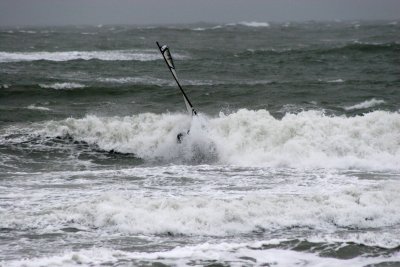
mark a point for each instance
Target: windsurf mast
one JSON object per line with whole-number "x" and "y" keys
{"x": 170, "y": 63}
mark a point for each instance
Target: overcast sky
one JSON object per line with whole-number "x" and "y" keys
{"x": 62, "y": 12}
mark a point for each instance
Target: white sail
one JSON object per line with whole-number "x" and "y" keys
{"x": 168, "y": 57}
{"x": 170, "y": 63}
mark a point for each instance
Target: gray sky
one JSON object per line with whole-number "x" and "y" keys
{"x": 61, "y": 12}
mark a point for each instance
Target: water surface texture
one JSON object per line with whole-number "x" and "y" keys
{"x": 294, "y": 159}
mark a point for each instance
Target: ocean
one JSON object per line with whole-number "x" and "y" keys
{"x": 293, "y": 160}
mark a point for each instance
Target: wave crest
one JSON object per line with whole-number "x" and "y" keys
{"x": 250, "y": 138}
{"x": 366, "y": 104}
{"x": 60, "y": 86}
{"x": 110, "y": 55}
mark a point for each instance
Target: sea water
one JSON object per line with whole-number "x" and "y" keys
{"x": 294, "y": 158}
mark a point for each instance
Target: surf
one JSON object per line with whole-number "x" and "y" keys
{"x": 309, "y": 139}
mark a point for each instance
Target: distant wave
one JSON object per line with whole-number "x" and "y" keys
{"x": 60, "y": 86}
{"x": 369, "y": 47}
{"x": 34, "y": 107}
{"x": 147, "y": 80}
{"x": 347, "y": 48}
{"x": 253, "y": 24}
{"x": 366, "y": 104}
{"x": 331, "y": 81}
{"x": 136, "y": 80}
{"x": 89, "y": 33}
{"x": 198, "y": 29}
{"x": 107, "y": 55}
{"x": 336, "y": 81}
{"x": 27, "y": 31}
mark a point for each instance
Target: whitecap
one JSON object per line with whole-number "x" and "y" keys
{"x": 60, "y": 86}
{"x": 308, "y": 139}
{"x": 336, "y": 81}
{"x": 27, "y": 31}
{"x": 107, "y": 55}
{"x": 34, "y": 107}
{"x": 136, "y": 80}
{"x": 253, "y": 24}
{"x": 154, "y": 81}
{"x": 366, "y": 104}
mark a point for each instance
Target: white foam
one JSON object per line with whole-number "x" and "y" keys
{"x": 366, "y": 104}
{"x": 154, "y": 81}
{"x": 34, "y": 107}
{"x": 139, "y": 55}
{"x": 27, "y": 31}
{"x": 389, "y": 239}
{"x": 254, "y": 24}
{"x": 136, "y": 80}
{"x": 352, "y": 207}
{"x": 308, "y": 139}
{"x": 149, "y": 80}
{"x": 236, "y": 254}
{"x": 61, "y": 86}
{"x": 129, "y": 212}
{"x": 336, "y": 81}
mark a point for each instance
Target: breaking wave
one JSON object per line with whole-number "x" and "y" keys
{"x": 129, "y": 213}
{"x": 336, "y": 81}
{"x": 366, "y": 104}
{"x": 34, "y": 107}
{"x": 253, "y": 24}
{"x": 60, "y": 86}
{"x": 147, "y": 80}
{"x": 308, "y": 139}
{"x": 110, "y": 55}
{"x": 357, "y": 208}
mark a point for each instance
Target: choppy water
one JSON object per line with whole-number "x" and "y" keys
{"x": 294, "y": 159}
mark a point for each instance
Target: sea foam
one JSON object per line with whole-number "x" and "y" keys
{"x": 366, "y": 104}
{"x": 250, "y": 138}
{"x": 254, "y": 24}
{"x": 60, "y": 86}
{"x": 34, "y": 107}
{"x": 235, "y": 254}
{"x": 107, "y": 55}
{"x": 249, "y": 24}
{"x": 204, "y": 215}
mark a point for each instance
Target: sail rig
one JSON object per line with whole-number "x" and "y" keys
{"x": 170, "y": 63}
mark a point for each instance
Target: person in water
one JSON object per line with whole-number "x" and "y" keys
{"x": 180, "y": 136}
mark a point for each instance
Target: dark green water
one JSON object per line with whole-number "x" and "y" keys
{"x": 294, "y": 158}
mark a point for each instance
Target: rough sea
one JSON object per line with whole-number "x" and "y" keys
{"x": 294, "y": 159}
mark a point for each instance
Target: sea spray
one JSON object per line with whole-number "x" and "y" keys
{"x": 308, "y": 139}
